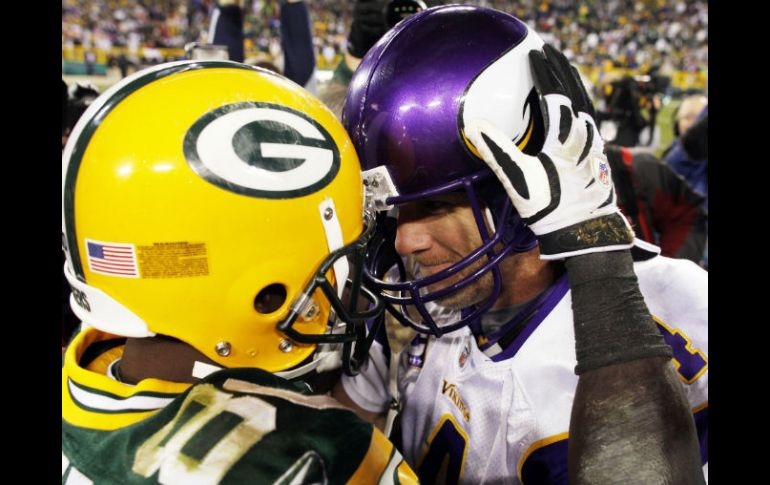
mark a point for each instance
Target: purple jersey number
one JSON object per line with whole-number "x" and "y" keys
{"x": 447, "y": 443}
{"x": 690, "y": 362}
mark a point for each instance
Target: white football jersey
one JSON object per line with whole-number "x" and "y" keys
{"x": 471, "y": 418}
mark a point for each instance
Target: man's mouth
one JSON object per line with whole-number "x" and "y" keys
{"x": 422, "y": 269}
{"x": 432, "y": 269}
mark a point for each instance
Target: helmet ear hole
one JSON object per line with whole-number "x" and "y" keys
{"x": 270, "y": 298}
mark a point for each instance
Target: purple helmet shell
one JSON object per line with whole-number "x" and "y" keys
{"x": 405, "y": 111}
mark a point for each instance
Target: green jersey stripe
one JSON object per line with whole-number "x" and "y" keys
{"x": 103, "y": 402}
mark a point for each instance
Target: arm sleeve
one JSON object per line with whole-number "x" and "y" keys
{"x": 630, "y": 417}
{"x": 227, "y": 29}
{"x": 612, "y": 321}
{"x": 297, "y": 42}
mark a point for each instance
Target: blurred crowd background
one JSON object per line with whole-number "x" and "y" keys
{"x": 668, "y": 36}
{"x": 639, "y": 58}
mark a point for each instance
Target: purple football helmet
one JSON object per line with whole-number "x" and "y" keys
{"x": 405, "y": 111}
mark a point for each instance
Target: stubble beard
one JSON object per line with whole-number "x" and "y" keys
{"x": 474, "y": 293}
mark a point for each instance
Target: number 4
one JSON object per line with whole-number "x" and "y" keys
{"x": 446, "y": 440}
{"x": 690, "y": 362}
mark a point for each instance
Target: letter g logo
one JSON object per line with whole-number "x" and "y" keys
{"x": 262, "y": 150}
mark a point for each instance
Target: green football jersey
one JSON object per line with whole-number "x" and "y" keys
{"x": 234, "y": 426}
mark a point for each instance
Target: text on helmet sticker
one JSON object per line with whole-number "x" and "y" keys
{"x": 179, "y": 259}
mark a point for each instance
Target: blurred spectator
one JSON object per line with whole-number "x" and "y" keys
{"x": 294, "y": 56}
{"x": 123, "y": 64}
{"x": 297, "y": 44}
{"x": 90, "y": 60}
{"x": 695, "y": 171}
{"x": 688, "y": 154}
{"x": 79, "y": 97}
{"x": 688, "y": 112}
{"x": 695, "y": 140}
{"x": 121, "y": 23}
{"x": 662, "y": 208}
{"x": 623, "y": 109}
{"x": 226, "y": 28}
{"x": 371, "y": 20}
{"x": 366, "y": 28}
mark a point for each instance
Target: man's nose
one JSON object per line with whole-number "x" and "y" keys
{"x": 412, "y": 237}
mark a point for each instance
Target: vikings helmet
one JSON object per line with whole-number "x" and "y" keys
{"x": 406, "y": 110}
{"x": 218, "y": 204}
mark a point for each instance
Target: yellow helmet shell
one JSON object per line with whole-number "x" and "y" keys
{"x": 189, "y": 188}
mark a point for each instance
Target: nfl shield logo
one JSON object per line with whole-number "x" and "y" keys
{"x": 604, "y": 173}
{"x": 464, "y": 355}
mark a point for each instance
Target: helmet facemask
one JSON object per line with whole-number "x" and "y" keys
{"x": 407, "y": 296}
{"x": 352, "y": 305}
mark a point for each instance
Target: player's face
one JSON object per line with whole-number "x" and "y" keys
{"x": 436, "y": 233}
{"x": 689, "y": 111}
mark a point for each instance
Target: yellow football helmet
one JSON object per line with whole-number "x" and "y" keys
{"x": 221, "y": 205}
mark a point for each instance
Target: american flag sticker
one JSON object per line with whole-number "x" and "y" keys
{"x": 113, "y": 259}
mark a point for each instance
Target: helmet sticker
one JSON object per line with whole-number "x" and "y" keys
{"x": 173, "y": 260}
{"x": 262, "y": 150}
{"x": 157, "y": 260}
{"x": 112, "y": 259}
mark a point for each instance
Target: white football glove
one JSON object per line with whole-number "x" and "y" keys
{"x": 564, "y": 194}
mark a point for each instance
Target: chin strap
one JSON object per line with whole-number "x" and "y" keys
{"x": 394, "y": 406}
{"x": 399, "y": 337}
{"x": 328, "y": 359}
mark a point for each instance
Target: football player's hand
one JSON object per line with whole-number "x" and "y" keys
{"x": 564, "y": 194}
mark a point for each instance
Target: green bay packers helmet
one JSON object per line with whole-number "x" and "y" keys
{"x": 221, "y": 205}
